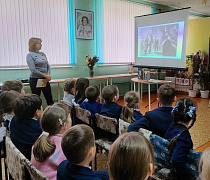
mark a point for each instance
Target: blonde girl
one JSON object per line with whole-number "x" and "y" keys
{"x": 130, "y": 111}
{"x": 131, "y": 157}
{"x": 47, "y": 152}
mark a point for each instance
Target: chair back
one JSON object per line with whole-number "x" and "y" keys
{"x": 34, "y": 173}
{"x": 106, "y": 123}
{"x": 123, "y": 126}
{"x": 83, "y": 115}
{"x": 163, "y": 158}
{"x": 15, "y": 161}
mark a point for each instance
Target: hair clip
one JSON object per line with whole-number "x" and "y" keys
{"x": 175, "y": 108}
{"x": 60, "y": 121}
{"x": 178, "y": 135}
{"x": 45, "y": 133}
{"x": 126, "y": 103}
{"x": 191, "y": 112}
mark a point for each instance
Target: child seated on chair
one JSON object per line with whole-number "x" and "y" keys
{"x": 131, "y": 157}
{"x": 92, "y": 94}
{"x": 110, "y": 108}
{"x": 81, "y": 86}
{"x": 47, "y": 153}
{"x": 184, "y": 117}
{"x": 13, "y": 85}
{"x": 159, "y": 119}
{"x": 130, "y": 111}
{"x": 78, "y": 144}
{"x": 25, "y": 125}
{"x": 69, "y": 87}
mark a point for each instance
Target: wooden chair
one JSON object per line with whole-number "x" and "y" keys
{"x": 15, "y": 161}
{"x": 123, "y": 126}
{"x": 163, "y": 158}
{"x": 83, "y": 115}
{"x": 35, "y": 174}
{"x": 71, "y": 110}
{"x": 109, "y": 128}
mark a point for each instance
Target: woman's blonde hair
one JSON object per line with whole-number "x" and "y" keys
{"x": 204, "y": 165}
{"x": 51, "y": 122}
{"x": 32, "y": 44}
{"x": 130, "y": 157}
{"x": 131, "y": 98}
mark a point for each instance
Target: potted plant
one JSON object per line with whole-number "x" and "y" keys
{"x": 204, "y": 79}
{"x": 193, "y": 62}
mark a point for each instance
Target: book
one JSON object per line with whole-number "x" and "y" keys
{"x": 41, "y": 83}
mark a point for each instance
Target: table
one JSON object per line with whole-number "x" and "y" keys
{"x": 100, "y": 78}
{"x": 141, "y": 81}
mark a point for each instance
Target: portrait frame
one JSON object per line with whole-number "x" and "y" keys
{"x": 84, "y": 27}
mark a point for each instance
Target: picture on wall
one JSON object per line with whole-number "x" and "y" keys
{"x": 84, "y": 24}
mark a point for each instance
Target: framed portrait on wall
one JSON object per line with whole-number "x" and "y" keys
{"x": 84, "y": 24}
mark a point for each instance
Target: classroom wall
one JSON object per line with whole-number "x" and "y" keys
{"x": 198, "y": 35}
{"x": 197, "y": 39}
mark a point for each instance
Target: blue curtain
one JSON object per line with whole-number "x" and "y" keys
{"x": 71, "y": 30}
{"x": 99, "y": 30}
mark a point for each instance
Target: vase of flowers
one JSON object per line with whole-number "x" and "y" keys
{"x": 91, "y": 63}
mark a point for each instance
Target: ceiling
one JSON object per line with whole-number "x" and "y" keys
{"x": 196, "y": 5}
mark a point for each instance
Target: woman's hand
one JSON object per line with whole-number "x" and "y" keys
{"x": 47, "y": 78}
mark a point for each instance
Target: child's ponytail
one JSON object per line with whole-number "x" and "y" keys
{"x": 184, "y": 111}
{"x": 43, "y": 148}
{"x": 127, "y": 113}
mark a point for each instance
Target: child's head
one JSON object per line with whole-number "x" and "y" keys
{"x": 55, "y": 120}
{"x": 13, "y": 85}
{"x": 7, "y": 102}
{"x": 110, "y": 93}
{"x": 92, "y": 93}
{"x": 183, "y": 112}
{"x": 204, "y": 165}
{"x": 69, "y": 86}
{"x": 131, "y": 157}
{"x": 166, "y": 95}
{"x": 81, "y": 86}
{"x": 28, "y": 106}
{"x": 78, "y": 144}
{"x": 131, "y": 100}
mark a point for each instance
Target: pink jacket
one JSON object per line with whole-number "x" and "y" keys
{"x": 49, "y": 166}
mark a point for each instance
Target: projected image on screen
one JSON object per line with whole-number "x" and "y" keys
{"x": 161, "y": 41}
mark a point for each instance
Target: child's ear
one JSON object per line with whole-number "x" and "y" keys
{"x": 174, "y": 98}
{"x": 158, "y": 100}
{"x": 150, "y": 171}
{"x": 92, "y": 152}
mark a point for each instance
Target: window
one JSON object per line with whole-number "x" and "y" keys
{"x": 21, "y": 20}
{"x": 119, "y": 30}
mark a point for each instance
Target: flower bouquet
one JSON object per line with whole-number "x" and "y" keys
{"x": 91, "y": 61}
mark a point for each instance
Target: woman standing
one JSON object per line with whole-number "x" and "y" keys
{"x": 40, "y": 69}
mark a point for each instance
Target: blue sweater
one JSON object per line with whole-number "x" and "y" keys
{"x": 183, "y": 145}
{"x": 111, "y": 109}
{"x": 157, "y": 121}
{"x": 92, "y": 106}
{"x": 24, "y": 133}
{"x": 68, "y": 171}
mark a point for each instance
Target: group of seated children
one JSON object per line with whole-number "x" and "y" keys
{"x": 64, "y": 152}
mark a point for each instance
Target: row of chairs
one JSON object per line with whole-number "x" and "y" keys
{"x": 17, "y": 166}
{"x": 164, "y": 167}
